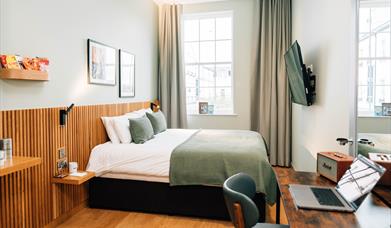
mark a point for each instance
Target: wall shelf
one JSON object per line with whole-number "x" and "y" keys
{"x": 18, "y": 163}
{"x": 30, "y": 75}
{"x": 73, "y": 180}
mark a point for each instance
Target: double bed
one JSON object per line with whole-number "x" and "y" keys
{"x": 179, "y": 172}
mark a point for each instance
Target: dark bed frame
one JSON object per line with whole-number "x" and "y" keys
{"x": 155, "y": 197}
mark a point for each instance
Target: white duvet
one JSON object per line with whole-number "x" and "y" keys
{"x": 150, "y": 159}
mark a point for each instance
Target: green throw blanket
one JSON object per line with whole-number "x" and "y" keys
{"x": 209, "y": 157}
{"x": 366, "y": 149}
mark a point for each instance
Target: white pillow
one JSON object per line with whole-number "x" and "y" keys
{"x": 108, "y": 123}
{"x": 141, "y": 111}
{"x": 121, "y": 127}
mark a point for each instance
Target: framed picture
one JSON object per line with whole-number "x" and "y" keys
{"x": 378, "y": 110}
{"x": 203, "y": 107}
{"x": 386, "y": 109}
{"x": 101, "y": 63}
{"x": 211, "y": 109}
{"x": 126, "y": 74}
{"x": 61, "y": 168}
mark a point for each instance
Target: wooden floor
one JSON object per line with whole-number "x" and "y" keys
{"x": 88, "y": 217}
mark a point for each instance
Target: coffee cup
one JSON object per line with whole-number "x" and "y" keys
{"x": 73, "y": 167}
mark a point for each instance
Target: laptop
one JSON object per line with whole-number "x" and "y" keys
{"x": 349, "y": 193}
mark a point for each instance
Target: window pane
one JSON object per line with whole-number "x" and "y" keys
{"x": 191, "y": 100}
{"x": 383, "y": 74}
{"x": 223, "y": 28}
{"x": 380, "y": 16}
{"x": 191, "y": 28}
{"x": 191, "y": 76}
{"x": 382, "y": 45}
{"x": 207, "y": 52}
{"x": 191, "y": 52}
{"x": 364, "y": 45}
{"x": 192, "y": 108}
{"x": 223, "y": 51}
{"x": 207, "y": 29}
{"x": 364, "y": 20}
{"x": 363, "y": 104}
{"x": 207, "y": 94}
{"x": 207, "y": 76}
{"x": 224, "y": 100}
{"x": 363, "y": 67}
{"x": 383, "y": 95}
{"x": 223, "y": 75}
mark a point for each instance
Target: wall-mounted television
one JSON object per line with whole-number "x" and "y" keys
{"x": 301, "y": 80}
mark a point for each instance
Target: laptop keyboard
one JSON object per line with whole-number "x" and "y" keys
{"x": 326, "y": 197}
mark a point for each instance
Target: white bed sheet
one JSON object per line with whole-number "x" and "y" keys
{"x": 139, "y": 177}
{"x": 149, "y": 161}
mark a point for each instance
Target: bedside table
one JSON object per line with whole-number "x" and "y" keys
{"x": 74, "y": 180}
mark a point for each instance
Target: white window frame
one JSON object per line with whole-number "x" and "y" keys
{"x": 208, "y": 15}
{"x": 372, "y": 59}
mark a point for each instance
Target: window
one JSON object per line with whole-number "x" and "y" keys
{"x": 208, "y": 62}
{"x": 374, "y": 65}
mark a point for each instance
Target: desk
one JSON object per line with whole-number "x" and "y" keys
{"x": 18, "y": 163}
{"x": 384, "y": 193}
{"x": 372, "y": 212}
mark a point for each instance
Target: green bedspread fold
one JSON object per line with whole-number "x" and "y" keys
{"x": 209, "y": 157}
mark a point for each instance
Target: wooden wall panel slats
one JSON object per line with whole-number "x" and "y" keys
{"x": 28, "y": 198}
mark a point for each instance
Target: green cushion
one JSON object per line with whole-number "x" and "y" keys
{"x": 141, "y": 129}
{"x": 158, "y": 121}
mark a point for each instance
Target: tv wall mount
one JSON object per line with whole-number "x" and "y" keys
{"x": 310, "y": 85}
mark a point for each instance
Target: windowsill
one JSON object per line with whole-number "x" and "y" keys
{"x": 233, "y": 114}
{"x": 369, "y": 116}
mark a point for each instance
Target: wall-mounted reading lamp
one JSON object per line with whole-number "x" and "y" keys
{"x": 64, "y": 114}
{"x": 155, "y": 106}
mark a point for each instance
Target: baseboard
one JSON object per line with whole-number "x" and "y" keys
{"x": 62, "y": 218}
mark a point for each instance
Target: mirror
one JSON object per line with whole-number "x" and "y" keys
{"x": 373, "y": 107}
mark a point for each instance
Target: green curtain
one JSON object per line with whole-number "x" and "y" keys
{"x": 171, "y": 81}
{"x": 270, "y": 97}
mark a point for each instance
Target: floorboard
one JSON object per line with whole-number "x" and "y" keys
{"x": 100, "y": 218}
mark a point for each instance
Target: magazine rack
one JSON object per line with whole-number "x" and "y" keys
{"x": 31, "y": 75}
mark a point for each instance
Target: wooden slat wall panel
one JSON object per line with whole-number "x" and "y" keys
{"x": 28, "y": 198}
{"x": 22, "y": 194}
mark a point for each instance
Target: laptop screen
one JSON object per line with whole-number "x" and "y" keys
{"x": 359, "y": 179}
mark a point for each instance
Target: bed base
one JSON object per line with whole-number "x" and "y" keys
{"x": 155, "y": 197}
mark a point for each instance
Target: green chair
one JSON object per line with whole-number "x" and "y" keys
{"x": 239, "y": 190}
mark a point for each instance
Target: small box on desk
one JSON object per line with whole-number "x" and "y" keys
{"x": 385, "y": 161}
{"x": 333, "y": 165}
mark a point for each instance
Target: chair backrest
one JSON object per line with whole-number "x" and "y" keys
{"x": 239, "y": 190}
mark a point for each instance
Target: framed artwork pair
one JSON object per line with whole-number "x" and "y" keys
{"x": 102, "y": 67}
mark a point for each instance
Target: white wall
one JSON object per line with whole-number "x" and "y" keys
{"x": 59, "y": 30}
{"x": 325, "y": 31}
{"x": 243, "y": 20}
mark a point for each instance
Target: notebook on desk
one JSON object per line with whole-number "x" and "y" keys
{"x": 349, "y": 193}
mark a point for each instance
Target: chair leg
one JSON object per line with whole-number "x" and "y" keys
{"x": 239, "y": 221}
{"x": 278, "y": 205}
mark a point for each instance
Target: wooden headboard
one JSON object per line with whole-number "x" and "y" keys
{"x": 28, "y": 198}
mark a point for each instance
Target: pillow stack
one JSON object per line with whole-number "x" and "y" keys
{"x": 138, "y": 127}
